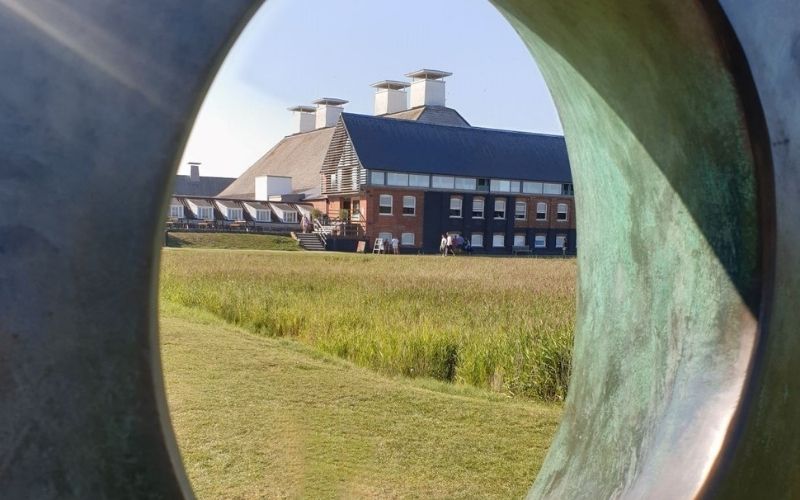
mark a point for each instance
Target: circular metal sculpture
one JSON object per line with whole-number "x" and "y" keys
{"x": 683, "y": 127}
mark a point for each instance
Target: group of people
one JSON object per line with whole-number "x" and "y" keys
{"x": 452, "y": 242}
{"x": 389, "y": 246}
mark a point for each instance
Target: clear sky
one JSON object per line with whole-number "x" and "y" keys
{"x": 295, "y": 51}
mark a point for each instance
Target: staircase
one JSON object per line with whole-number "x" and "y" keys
{"x": 310, "y": 241}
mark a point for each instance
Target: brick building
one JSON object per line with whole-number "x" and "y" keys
{"x": 417, "y": 173}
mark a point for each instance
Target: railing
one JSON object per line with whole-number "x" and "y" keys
{"x": 322, "y": 231}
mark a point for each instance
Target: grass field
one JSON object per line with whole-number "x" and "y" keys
{"x": 232, "y": 241}
{"x": 499, "y": 324}
{"x": 270, "y": 418}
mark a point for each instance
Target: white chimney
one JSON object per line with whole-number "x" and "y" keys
{"x": 194, "y": 171}
{"x": 427, "y": 87}
{"x": 304, "y": 118}
{"x": 328, "y": 111}
{"x": 390, "y": 97}
{"x": 267, "y": 186}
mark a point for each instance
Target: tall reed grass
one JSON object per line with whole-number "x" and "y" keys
{"x": 500, "y": 324}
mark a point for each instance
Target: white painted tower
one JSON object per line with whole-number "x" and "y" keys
{"x": 427, "y": 87}
{"x": 390, "y": 97}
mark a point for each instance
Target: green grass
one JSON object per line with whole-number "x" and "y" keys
{"x": 232, "y": 241}
{"x": 499, "y": 324}
{"x": 270, "y": 418}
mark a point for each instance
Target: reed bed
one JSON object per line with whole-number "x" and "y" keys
{"x": 500, "y": 324}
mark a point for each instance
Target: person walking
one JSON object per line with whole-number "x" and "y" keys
{"x": 449, "y": 246}
{"x": 443, "y": 245}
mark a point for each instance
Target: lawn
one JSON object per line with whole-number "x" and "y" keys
{"x": 259, "y": 417}
{"x": 499, "y": 324}
{"x": 231, "y": 241}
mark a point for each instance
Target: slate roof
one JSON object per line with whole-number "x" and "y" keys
{"x": 205, "y": 186}
{"x": 414, "y": 147}
{"x": 298, "y": 156}
{"x": 438, "y": 115}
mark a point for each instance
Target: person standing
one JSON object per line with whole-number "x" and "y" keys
{"x": 395, "y": 246}
{"x": 443, "y": 245}
{"x": 449, "y": 247}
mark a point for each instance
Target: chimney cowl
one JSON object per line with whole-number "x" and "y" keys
{"x": 427, "y": 87}
{"x": 304, "y": 118}
{"x": 390, "y": 97}
{"x": 329, "y": 109}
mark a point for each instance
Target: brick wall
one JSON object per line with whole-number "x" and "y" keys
{"x": 396, "y": 223}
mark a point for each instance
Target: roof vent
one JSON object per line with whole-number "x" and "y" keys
{"x": 304, "y": 118}
{"x": 328, "y": 111}
{"x": 427, "y": 87}
{"x": 194, "y": 171}
{"x": 390, "y": 97}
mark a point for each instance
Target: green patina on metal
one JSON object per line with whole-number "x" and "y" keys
{"x": 660, "y": 154}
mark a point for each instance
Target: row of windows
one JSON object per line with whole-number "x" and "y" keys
{"x": 406, "y": 239}
{"x": 520, "y": 240}
{"x": 520, "y": 209}
{"x": 378, "y": 178}
{"x": 207, "y": 213}
{"x": 385, "y": 205}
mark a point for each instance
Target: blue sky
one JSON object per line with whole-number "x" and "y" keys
{"x": 294, "y": 51}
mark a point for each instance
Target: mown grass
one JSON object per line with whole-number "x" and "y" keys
{"x": 270, "y": 418}
{"x": 499, "y": 324}
{"x": 231, "y": 241}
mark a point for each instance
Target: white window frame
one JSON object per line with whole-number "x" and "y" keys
{"x": 517, "y": 237}
{"x": 524, "y": 210}
{"x": 540, "y": 238}
{"x": 382, "y": 205}
{"x": 407, "y": 239}
{"x": 565, "y": 211}
{"x": 396, "y": 179}
{"x": 502, "y": 240}
{"x": 235, "y": 213}
{"x": 460, "y": 203}
{"x": 477, "y": 243}
{"x": 540, "y": 204}
{"x": 176, "y": 211}
{"x": 560, "y": 240}
{"x": 205, "y": 210}
{"x": 410, "y": 202}
{"x": 482, "y": 202}
{"x": 385, "y": 237}
{"x": 515, "y": 186}
{"x": 377, "y": 178}
{"x": 503, "y": 210}
{"x": 290, "y": 217}
{"x": 260, "y": 212}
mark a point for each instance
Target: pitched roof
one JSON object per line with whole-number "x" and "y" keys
{"x": 407, "y": 146}
{"x": 205, "y": 186}
{"x": 438, "y": 115}
{"x": 298, "y": 156}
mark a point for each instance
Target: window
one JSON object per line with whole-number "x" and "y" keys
{"x": 532, "y": 187}
{"x": 356, "y": 204}
{"x": 377, "y": 178}
{"x": 541, "y": 211}
{"x": 477, "y": 208}
{"x": 235, "y": 214}
{"x": 455, "y": 206}
{"x": 206, "y": 213}
{"x": 561, "y": 240}
{"x": 567, "y": 190}
{"x": 407, "y": 239}
{"x": 263, "y": 215}
{"x": 500, "y": 209}
{"x": 442, "y": 182}
{"x": 483, "y": 184}
{"x": 409, "y": 205}
{"x": 521, "y": 210}
{"x": 385, "y": 236}
{"x": 552, "y": 188}
{"x": 519, "y": 240}
{"x": 498, "y": 240}
{"x": 515, "y": 186}
{"x": 540, "y": 241}
{"x": 477, "y": 240}
{"x": 385, "y": 204}
{"x": 501, "y": 186}
{"x": 562, "y": 211}
{"x": 419, "y": 180}
{"x": 394, "y": 179}
{"x": 466, "y": 183}
{"x": 176, "y": 211}
{"x": 290, "y": 217}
